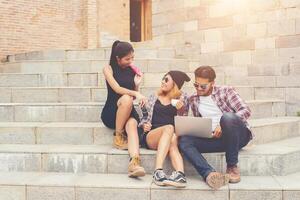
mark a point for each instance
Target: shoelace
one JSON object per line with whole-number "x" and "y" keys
{"x": 174, "y": 175}
{"x": 160, "y": 174}
{"x": 136, "y": 161}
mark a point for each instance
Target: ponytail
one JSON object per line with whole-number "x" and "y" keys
{"x": 113, "y": 59}
{"x": 119, "y": 49}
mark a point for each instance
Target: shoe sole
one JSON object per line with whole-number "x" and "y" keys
{"x": 159, "y": 183}
{"x": 218, "y": 180}
{"x": 120, "y": 148}
{"x": 234, "y": 181}
{"x": 137, "y": 174}
{"x": 175, "y": 184}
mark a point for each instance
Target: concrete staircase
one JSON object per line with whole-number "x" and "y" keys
{"x": 54, "y": 146}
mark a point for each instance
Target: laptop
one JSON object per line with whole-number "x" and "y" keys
{"x": 193, "y": 126}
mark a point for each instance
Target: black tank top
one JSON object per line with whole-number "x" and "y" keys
{"x": 163, "y": 114}
{"x": 125, "y": 78}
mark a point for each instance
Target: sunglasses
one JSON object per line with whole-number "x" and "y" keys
{"x": 202, "y": 86}
{"x": 165, "y": 79}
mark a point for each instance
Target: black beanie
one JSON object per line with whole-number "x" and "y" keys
{"x": 179, "y": 77}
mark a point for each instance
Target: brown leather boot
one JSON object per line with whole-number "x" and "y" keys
{"x": 134, "y": 168}
{"x": 120, "y": 140}
{"x": 216, "y": 180}
{"x": 234, "y": 174}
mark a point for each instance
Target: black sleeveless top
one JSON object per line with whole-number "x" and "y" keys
{"x": 125, "y": 78}
{"x": 163, "y": 114}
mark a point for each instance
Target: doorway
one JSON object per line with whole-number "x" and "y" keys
{"x": 140, "y": 20}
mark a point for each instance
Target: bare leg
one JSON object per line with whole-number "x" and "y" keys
{"x": 123, "y": 113}
{"x": 132, "y": 137}
{"x": 175, "y": 156}
{"x": 160, "y": 139}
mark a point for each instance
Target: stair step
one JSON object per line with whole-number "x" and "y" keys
{"x": 98, "y": 94}
{"x": 150, "y": 79}
{"x": 93, "y": 94}
{"x": 254, "y": 160}
{"x": 96, "y": 65}
{"x": 265, "y": 130}
{"x": 34, "y": 186}
{"x": 90, "y": 111}
{"x": 92, "y": 54}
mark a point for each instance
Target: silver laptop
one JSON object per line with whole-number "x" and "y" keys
{"x": 193, "y": 126}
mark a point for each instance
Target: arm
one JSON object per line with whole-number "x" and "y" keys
{"x": 184, "y": 110}
{"x": 149, "y": 106}
{"x": 108, "y": 74}
{"x": 137, "y": 82}
{"x": 238, "y": 105}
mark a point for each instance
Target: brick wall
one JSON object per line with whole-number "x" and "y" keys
{"x": 61, "y": 24}
{"x": 113, "y": 18}
{"x": 41, "y": 24}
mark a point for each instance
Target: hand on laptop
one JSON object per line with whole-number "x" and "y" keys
{"x": 147, "y": 127}
{"x": 218, "y": 132}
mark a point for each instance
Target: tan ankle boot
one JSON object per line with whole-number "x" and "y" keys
{"x": 135, "y": 169}
{"x": 216, "y": 180}
{"x": 234, "y": 174}
{"x": 120, "y": 140}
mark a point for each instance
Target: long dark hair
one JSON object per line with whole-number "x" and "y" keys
{"x": 120, "y": 49}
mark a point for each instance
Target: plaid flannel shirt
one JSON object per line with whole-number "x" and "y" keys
{"x": 150, "y": 106}
{"x": 226, "y": 98}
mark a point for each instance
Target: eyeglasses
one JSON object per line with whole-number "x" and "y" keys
{"x": 202, "y": 86}
{"x": 165, "y": 79}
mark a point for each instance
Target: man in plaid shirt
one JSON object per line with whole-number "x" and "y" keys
{"x": 231, "y": 132}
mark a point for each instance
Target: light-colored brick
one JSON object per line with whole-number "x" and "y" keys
{"x": 64, "y": 135}
{"x": 257, "y": 30}
{"x": 264, "y": 70}
{"x": 213, "y": 35}
{"x": 297, "y": 26}
{"x": 291, "y": 195}
{"x": 48, "y": 193}
{"x": 287, "y": 55}
{"x": 248, "y": 195}
{"x": 217, "y": 22}
{"x": 39, "y": 113}
{"x": 34, "y": 95}
{"x": 221, "y": 9}
{"x": 239, "y": 45}
{"x": 211, "y": 47}
{"x": 242, "y": 58}
{"x": 191, "y": 25}
{"x": 112, "y": 194}
{"x": 192, "y": 3}
{"x": 289, "y": 3}
{"x": 74, "y": 95}
{"x": 5, "y": 94}
{"x": 265, "y": 56}
{"x": 282, "y": 27}
{"x": 75, "y": 163}
{"x": 257, "y": 5}
{"x": 265, "y": 43}
{"x": 12, "y": 193}
{"x": 6, "y": 113}
{"x": 288, "y": 41}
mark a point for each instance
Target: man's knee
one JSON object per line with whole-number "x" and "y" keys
{"x": 229, "y": 118}
{"x": 185, "y": 142}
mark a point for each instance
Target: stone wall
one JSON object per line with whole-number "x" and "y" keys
{"x": 253, "y": 42}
